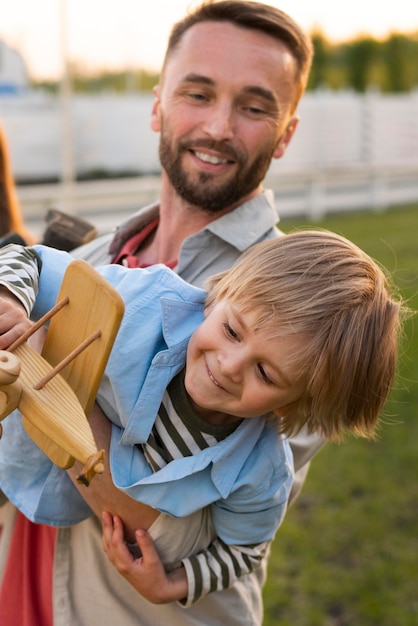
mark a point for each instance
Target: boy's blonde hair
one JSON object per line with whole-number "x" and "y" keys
{"x": 322, "y": 287}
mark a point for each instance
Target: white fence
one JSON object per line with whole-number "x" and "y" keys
{"x": 349, "y": 152}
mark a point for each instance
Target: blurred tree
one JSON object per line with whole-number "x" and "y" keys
{"x": 401, "y": 57}
{"x": 388, "y": 65}
{"x": 361, "y": 55}
{"x": 322, "y": 52}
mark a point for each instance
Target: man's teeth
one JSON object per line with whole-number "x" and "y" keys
{"x": 209, "y": 158}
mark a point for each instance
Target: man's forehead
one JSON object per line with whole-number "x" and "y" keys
{"x": 213, "y": 39}
{"x": 222, "y": 47}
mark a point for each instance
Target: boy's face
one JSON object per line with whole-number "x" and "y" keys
{"x": 234, "y": 372}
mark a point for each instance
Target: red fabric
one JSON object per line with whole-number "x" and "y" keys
{"x": 26, "y": 593}
{"x": 127, "y": 256}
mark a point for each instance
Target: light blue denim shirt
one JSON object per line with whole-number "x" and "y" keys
{"x": 246, "y": 478}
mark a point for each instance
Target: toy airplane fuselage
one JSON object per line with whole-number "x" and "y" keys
{"x": 55, "y": 390}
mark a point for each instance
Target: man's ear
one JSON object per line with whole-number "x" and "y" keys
{"x": 156, "y": 110}
{"x": 286, "y": 138}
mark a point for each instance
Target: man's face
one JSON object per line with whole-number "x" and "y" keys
{"x": 224, "y": 110}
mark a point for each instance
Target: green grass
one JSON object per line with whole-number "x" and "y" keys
{"x": 347, "y": 552}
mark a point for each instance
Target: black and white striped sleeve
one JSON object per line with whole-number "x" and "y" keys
{"x": 19, "y": 273}
{"x": 219, "y": 567}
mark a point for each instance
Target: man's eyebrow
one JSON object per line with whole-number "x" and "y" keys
{"x": 267, "y": 94}
{"x": 198, "y": 79}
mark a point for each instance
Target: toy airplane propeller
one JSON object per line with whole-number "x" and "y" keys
{"x": 55, "y": 390}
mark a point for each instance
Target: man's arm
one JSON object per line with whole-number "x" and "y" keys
{"x": 102, "y": 495}
{"x": 146, "y": 574}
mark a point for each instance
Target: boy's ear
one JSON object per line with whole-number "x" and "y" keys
{"x": 282, "y": 411}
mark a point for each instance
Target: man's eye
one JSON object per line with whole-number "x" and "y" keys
{"x": 199, "y": 97}
{"x": 260, "y": 109}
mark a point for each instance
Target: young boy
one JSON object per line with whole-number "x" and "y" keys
{"x": 203, "y": 388}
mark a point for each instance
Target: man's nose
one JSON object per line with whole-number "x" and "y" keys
{"x": 219, "y": 122}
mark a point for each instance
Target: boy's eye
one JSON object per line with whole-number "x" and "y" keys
{"x": 263, "y": 375}
{"x": 229, "y": 331}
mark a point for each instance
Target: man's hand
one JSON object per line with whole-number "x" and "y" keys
{"x": 146, "y": 573}
{"x": 13, "y": 319}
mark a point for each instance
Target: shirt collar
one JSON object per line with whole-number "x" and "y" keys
{"x": 258, "y": 214}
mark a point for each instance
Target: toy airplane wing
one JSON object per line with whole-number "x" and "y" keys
{"x": 55, "y": 391}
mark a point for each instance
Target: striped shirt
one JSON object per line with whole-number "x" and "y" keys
{"x": 179, "y": 432}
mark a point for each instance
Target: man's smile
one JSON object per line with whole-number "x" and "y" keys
{"x": 210, "y": 158}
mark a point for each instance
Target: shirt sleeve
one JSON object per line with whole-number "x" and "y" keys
{"x": 19, "y": 273}
{"x": 219, "y": 566}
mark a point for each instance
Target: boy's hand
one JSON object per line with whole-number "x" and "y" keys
{"x": 146, "y": 573}
{"x": 13, "y": 319}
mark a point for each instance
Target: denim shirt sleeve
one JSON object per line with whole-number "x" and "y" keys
{"x": 43, "y": 492}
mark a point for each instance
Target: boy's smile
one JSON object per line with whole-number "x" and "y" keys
{"x": 233, "y": 371}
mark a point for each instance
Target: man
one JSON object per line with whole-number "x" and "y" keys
{"x": 226, "y": 104}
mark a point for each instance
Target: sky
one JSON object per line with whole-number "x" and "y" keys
{"x": 132, "y": 33}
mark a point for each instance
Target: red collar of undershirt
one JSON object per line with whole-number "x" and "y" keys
{"x": 127, "y": 256}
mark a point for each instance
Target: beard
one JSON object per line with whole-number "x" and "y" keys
{"x": 207, "y": 192}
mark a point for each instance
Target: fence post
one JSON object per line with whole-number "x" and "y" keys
{"x": 316, "y": 197}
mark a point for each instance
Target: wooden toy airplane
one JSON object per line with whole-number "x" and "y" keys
{"x": 55, "y": 390}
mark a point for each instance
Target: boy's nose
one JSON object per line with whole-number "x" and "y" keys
{"x": 232, "y": 366}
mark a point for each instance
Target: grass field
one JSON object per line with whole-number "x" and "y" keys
{"x": 347, "y": 553}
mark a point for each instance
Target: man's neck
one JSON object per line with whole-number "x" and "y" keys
{"x": 178, "y": 220}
